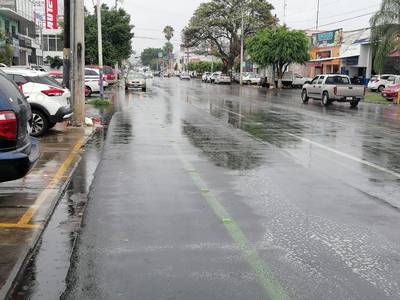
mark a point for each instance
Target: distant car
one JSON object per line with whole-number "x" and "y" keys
{"x": 379, "y": 82}
{"x": 294, "y": 80}
{"x": 222, "y": 79}
{"x": 214, "y": 76}
{"x": 92, "y": 81}
{"x": 329, "y": 88}
{"x": 184, "y": 76}
{"x": 58, "y": 76}
{"x": 205, "y": 76}
{"x": 18, "y": 151}
{"x": 50, "y": 101}
{"x": 390, "y": 93}
{"x": 135, "y": 80}
{"x": 37, "y": 68}
{"x": 108, "y": 73}
{"x": 251, "y": 78}
{"x": 149, "y": 75}
{"x": 3, "y": 65}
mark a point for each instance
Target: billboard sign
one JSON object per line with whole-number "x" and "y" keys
{"x": 51, "y": 13}
{"x": 327, "y": 39}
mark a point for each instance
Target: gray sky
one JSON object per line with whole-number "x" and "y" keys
{"x": 150, "y": 16}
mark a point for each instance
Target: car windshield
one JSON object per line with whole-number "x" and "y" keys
{"x": 46, "y": 80}
{"x": 135, "y": 76}
{"x": 108, "y": 70}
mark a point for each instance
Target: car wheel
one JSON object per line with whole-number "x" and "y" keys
{"x": 325, "y": 99}
{"x": 381, "y": 88}
{"x": 304, "y": 96}
{"x": 354, "y": 104}
{"x": 88, "y": 91}
{"x": 40, "y": 124}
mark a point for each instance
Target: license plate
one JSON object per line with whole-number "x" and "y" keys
{"x": 349, "y": 98}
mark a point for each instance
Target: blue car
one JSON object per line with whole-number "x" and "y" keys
{"x": 18, "y": 150}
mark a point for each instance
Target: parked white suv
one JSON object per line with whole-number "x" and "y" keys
{"x": 50, "y": 102}
{"x": 92, "y": 81}
{"x": 379, "y": 82}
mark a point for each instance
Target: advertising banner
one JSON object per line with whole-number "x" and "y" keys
{"x": 327, "y": 39}
{"x": 51, "y": 13}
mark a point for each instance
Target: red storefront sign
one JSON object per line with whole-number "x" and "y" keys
{"x": 51, "y": 13}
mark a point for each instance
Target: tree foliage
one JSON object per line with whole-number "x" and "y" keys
{"x": 149, "y": 57}
{"x": 6, "y": 52}
{"x": 216, "y": 25}
{"x": 205, "y": 66}
{"x": 117, "y": 36}
{"x": 279, "y": 47}
{"x": 169, "y": 32}
{"x": 385, "y": 26}
{"x": 54, "y": 62}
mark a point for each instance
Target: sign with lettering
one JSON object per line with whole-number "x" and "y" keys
{"x": 51, "y": 13}
{"x": 327, "y": 39}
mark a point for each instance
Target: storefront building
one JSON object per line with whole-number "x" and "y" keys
{"x": 325, "y": 52}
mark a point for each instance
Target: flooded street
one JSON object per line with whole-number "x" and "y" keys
{"x": 217, "y": 192}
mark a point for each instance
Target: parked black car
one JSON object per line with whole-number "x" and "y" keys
{"x": 18, "y": 151}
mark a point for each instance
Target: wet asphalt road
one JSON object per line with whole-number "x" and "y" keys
{"x": 212, "y": 192}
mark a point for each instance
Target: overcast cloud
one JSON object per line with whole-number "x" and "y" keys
{"x": 150, "y": 16}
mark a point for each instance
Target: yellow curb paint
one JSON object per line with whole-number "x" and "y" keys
{"x": 19, "y": 226}
{"x": 27, "y": 217}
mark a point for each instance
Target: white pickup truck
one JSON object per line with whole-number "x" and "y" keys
{"x": 329, "y": 88}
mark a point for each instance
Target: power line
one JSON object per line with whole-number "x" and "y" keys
{"x": 344, "y": 20}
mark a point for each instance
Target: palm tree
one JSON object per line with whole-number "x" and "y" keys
{"x": 385, "y": 26}
{"x": 168, "y": 32}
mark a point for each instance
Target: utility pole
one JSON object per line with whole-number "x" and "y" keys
{"x": 67, "y": 44}
{"x": 284, "y": 11}
{"x": 100, "y": 47}
{"x": 78, "y": 62}
{"x": 317, "y": 23}
{"x": 242, "y": 47}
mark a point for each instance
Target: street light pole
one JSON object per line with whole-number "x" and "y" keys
{"x": 317, "y": 23}
{"x": 100, "y": 47}
{"x": 241, "y": 47}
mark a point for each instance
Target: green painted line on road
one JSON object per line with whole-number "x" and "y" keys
{"x": 271, "y": 287}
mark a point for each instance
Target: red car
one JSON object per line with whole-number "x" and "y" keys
{"x": 108, "y": 72}
{"x": 391, "y": 92}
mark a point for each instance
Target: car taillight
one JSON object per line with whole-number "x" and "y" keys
{"x": 335, "y": 90}
{"x": 53, "y": 92}
{"x": 8, "y": 125}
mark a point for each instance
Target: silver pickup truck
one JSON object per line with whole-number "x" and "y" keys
{"x": 329, "y": 88}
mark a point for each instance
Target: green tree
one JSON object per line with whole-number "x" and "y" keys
{"x": 216, "y": 24}
{"x": 169, "y": 32}
{"x": 385, "y": 26}
{"x": 54, "y": 62}
{"x": 205, "y": 66}
{"x": 279, "y": 47}
{"x": 6, "y": 51}
{"x": 117, "y": 36}
{"x": 150, "y": 54}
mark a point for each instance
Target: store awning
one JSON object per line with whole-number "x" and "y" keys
{"x": 331, "y": 58}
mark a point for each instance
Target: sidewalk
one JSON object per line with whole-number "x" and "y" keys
{"x": 27, "y": 204}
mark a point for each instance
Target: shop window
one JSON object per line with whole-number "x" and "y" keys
{"x": 52, "y": 43}
{"x": 60, "y": 43}
{"x": 45, "y": 43}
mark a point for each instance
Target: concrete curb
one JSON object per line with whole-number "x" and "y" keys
{"x": 21, "y": 264}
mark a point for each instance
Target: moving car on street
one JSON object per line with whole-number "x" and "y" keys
{"x": 329, "y": 88}
{"x": 379, "y": 82}
{"x": 390, "y": 93}
{"x": 50, "y": 102}
{"x": 135, "y": 80}
{"x": 18, "y": 151}
{"x": 184, "y": 76}
{"x": 222, "y": 79}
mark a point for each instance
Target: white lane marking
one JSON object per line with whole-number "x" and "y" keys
{"x": 348, "y": 156}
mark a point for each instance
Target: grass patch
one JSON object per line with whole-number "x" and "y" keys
{"x": 376, "y": 98}
{"x": 99, "y": 102}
